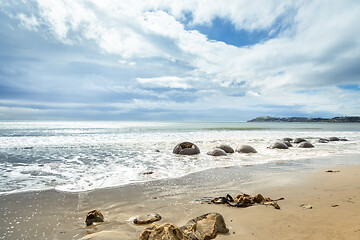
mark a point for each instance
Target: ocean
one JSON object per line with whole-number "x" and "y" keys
{"x": 81, "y": 156}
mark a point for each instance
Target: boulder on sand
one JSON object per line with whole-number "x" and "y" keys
{"x": 306, "y": 144}
{"x": 246, "y": 149}
{"x": 299, "y": 140}
{"x": 163, "y": 231}
{"x": 147, "y": 219}
{"x": 334, "y": 139}
{"x": 94, "y": 216}
{"x": 323, "y": 140}
{"x": 226, "y": 148}
{"x": 279, "y": 145}
{"x": 287, "y": 139}
{"x": 217, "y": 152}
{"x": 186, "y": 148}
{"x": 287, "y": 143}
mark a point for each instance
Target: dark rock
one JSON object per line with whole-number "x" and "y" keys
{"x": 217, "y": 152}
{"x": 94, "y": 216}
{"x": 226, "y": 148}
{"x": 323, "y": 140}
{"x": 186, "y": 148}
{"x": 343, "y": 139}
{"x": 147, "y": 219}
{"x": 147, "y": 173}
{"x": 306, "y": 144}
{"x": 333, "y": 139}
{"x": 287, "y": 143}
{"x": 287, "y": 139}
{"x": 205, "y": 227}
{"x": 246, "y": 149}
{"x": 157, "y": 150}
{"x": 299, "y": 140}
{"x": 164, "y": 231}
{"x": 279, "y": 145}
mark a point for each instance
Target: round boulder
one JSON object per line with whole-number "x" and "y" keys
{"x": 186, "y": 148}
{"x": 299, "y": 140}
{"x": 323, "y": 140}
{"x": 287, "y": 139}
{"x": 306, "y": 144}
{"x": 226, "y": 148}
{"x": 287, "y": 143}
{"x": 217, "y": 152}
{"x": 333, "y": 139}
{"x": 279, "y": 145}
{"x": 246, "y": 149}
{"x": 343, "y": 139}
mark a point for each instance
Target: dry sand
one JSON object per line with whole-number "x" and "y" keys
{"x": 334, "y": 197}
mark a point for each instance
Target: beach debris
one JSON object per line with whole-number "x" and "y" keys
{"x": 246, "y": 149}
{"x": 243, "y": 200}
{"x": 305, "y": 144}
{"x": 287, "y": 143}
{"x": 334, "y": 205}
{"x": 94, "y": 216}
{"x": 306, "y": 206}
{"x": 163, "y": 231}
{"x": 332, "y": 171}
{"x": 147, "y": 219}
{"x": 323, "y": 140}
{"x": 299, "y": 140}
{"x": 186, "y": 148}
{"x": 206, "y": 226}
{"x": 287, "y": 139}
{"x": 334, "y": 139}
{"x": 226, "y": 148}
{"x": 278, "y": 145}
{"x": 217, "y": 152}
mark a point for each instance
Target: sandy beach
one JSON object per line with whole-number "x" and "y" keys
{"x": 333, "y": 196}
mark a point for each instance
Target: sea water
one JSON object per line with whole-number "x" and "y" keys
{"x": 81, "y": 156}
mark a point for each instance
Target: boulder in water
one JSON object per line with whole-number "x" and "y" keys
{"x": 217, "y": 152}
{"x": 226, "y": 148}
{"x": 279, "y": 145}
{"x": 246, "y": 149}
{"x": 306, "y": 144}
{"x": 299, "y": 140}
{"x": 94, "y": 216}
{"x": 186, "y": 148}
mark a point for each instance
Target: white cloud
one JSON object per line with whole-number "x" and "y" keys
{"x": 167, "y": 81}
{"x": 28, "y": 22}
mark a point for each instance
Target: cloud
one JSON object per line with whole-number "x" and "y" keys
{"x": 154, "y": 54}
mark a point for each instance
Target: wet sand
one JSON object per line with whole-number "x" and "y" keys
{"x": 334, "y": 197}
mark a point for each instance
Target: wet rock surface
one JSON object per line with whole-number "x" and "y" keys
{"x": 94, "y": 216}
{"x": 186, "y": 148}
{"x": 305, "y": 144}
{"x": 246, "y": 149}
{"x": 147, "y": 219}
{"x": 279, "y": 145}
{"x": 226, "y": 148}
{"x": 217, "y": 152}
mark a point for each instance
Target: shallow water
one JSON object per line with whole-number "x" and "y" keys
{"x": 79, "y": 156}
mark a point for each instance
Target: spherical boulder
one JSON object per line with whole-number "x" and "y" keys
{"x": 287, "y": 143}
{"x": 226, "y": 148}
{"x": 323, "y": 140}
{"x": 246, "y": 149}
{"x": 186, "y": 148}
{"x": 299, "y": 140}
{"x": 279, "y": 145}
{"x": 287, "y": 139}
{"x": 217, "y": 152}
{"x": 333, "y": 139}
{"x": 306, "y": 144}
{"x": 343, "y": 139}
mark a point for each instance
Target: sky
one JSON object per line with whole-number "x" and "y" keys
{"x": 178, "y": 60}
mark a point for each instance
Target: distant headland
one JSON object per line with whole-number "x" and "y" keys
{"x": 346, "y": 119}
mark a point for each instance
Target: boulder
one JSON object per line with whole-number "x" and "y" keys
{"x": 217, "y": 152}
{"x": 204, "y": 227}
{"x": 246, "y": 149}
{"x": 167, "y": 231}
{"x": 279, "y": 145}
{"x": 306, "y": 144}
{"x": 343, "y": 139}
{"x": 186, "y": 148}
{"x": 287, "y": 143}
{"x": 226, "y": 148}
{"x": 299, "y": 140}
{"x": 333, "y": 139}
{"x": 147, "y": 219}
{"x": 287, "y": 139}
{"x": 94, "y": 216}
{"x": 323, "y": 140}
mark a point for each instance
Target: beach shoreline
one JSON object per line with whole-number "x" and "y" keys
{"x": 59, "y": 215}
